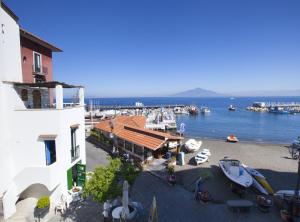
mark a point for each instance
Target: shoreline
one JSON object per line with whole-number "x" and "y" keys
{"x": 254, "y": 142}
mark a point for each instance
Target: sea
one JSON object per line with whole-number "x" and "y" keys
{"x": 246, "y": 125}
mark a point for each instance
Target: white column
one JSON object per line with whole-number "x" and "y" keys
{"x": 81, "y": 96}
{"x": 59, "y": 98}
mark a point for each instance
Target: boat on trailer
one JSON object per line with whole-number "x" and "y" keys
{"x": 235, "y": 172}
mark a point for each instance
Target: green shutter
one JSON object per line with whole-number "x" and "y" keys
{"x": 81, "y": 168}
{"x": 70, "y": 178}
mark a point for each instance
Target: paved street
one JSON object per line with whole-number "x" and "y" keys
{"x": 95, "y": 156}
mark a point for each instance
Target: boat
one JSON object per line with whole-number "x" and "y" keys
{"x": 231, "y": 108}
{"x": 193, "y": 110}
{"x": 286, "y": 193}
{"x": 259, "y": 181}
{"x": 192, "y": 145}
{"x": 234, "y": 171}
{"x": 201, "y": 158}
{"x": 204, "y": 110}
{"x": 205, "y": 152}
{"x": 232, "y": 138}
{"x": 278, "y": 110}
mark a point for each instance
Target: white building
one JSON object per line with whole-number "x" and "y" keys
{"x": 41, "y": 149}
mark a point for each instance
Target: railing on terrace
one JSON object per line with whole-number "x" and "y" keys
{"x": 75, "y": 153}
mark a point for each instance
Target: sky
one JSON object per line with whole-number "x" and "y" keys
{"x": 119, "y": 48}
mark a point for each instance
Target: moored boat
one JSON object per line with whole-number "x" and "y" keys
{"x": 234, "y": 171}
{"x": 231, "y": 108}
{"x": 193, "y": 110}
{"x": 204, "y": 110}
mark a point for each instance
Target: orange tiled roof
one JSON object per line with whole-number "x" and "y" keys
{"x": 132, "y": 129}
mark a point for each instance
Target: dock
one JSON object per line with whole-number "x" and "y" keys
{"x": 119, "y": 107}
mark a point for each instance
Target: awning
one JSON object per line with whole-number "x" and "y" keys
{"x": 51, "y": 84}
{"x": 47, "y": 137}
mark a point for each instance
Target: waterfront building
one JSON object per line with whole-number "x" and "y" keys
{"x": 129, "y": 135}
{"x": 42, "y": 142}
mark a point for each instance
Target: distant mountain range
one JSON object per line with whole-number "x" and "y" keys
{"x": 199, "y": 92}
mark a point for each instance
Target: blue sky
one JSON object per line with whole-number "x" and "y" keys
{"x": 159, "y": 47}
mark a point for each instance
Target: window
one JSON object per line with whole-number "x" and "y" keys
{"x": 73, "y": 138}
{"x": 50, "y": 152}
{"x": 75, "y": 149}
{"x": 128, "y": 146}
{"x": 24, "y": 95}
{"x": 37, "y": 62}
{"x": 120, "y": 142}
{"x": 138, "y": 150}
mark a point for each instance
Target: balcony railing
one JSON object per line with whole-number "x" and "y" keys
{"x": 39, "y": 70}
{"x": 75, "y": 153}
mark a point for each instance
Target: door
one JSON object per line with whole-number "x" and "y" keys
{"x": 37, "y": 103}
{"x": 81, "y": 169}
{"x": 70, "y": 178}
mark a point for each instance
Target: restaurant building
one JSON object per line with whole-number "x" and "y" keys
{"x": 129, "y": 135}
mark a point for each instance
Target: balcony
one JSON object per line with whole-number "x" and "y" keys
{"x": 75, "y": 153}
{"x": 50, "y": 95}
{"x": 39, "y": 70}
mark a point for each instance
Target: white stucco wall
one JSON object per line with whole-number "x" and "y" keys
{"x": 10, "y": 70}
{"x": 22, "y": 153}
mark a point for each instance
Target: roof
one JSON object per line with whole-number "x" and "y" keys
{"x": 9, "y": 11}
{"x": 132, "y": 129}
{"x": 51, "y": 84}
{"x": 38, "y": 40}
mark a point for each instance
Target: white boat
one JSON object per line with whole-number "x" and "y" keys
{"x": 231, "y": 108}
{"x": 286, "y": 193}
{"x": 236, "y": 172}
{"x": 192, "y": 145}
{"x": 204, "y": 110}
{"x": 205, "y": 152}
{"x": 200, "y": 158}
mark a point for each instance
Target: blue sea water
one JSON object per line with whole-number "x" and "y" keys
{"x": 247, "y": 125}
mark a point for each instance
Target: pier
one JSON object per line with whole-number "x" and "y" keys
{"x": 118, "y": 107}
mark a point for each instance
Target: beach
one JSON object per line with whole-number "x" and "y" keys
{"x": 272, "y": 160}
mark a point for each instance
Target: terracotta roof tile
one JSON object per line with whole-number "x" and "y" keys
{"x": 132, "y": 129}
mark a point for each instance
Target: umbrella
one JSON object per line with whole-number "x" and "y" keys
{"x": 125, "y": 201}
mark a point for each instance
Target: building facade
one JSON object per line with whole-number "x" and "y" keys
{"x": 42, "y": 143}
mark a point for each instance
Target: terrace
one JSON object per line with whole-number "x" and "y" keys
{"x": 49, "y": 95}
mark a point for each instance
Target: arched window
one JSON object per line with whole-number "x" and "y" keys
{"x": 24, "y": 95}
{"x": 24, "y": 59}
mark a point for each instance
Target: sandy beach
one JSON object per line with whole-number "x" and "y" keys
{"x": 272, "y": 160}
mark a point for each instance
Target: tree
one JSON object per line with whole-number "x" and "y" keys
{"x": 106, "y": 182}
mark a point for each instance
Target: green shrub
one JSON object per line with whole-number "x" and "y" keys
{"x": 43, "y": 202}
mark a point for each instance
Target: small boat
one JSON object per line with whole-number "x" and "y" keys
{"x": 278, "y": 110}
{"x": 286, "y": 193}
{"x": 192, "y": 145}
{"x": 234, "y": 171}
{"x": 204, "y": 110}
{"x": 201, "y": 158}
{"x": 259, "y": 181}
{"x": 193, "y": 110}
{"x": 232, "y": 138}
{"x": 231, "y": 108}
{"x": 205, "y": 152}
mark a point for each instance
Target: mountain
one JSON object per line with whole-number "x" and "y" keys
{"x": 197, "y": 92}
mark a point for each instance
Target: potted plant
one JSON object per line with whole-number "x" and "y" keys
{"x": 285, "y": 215}
{"x": 42, "y": 207}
